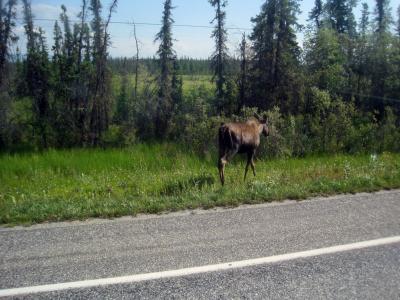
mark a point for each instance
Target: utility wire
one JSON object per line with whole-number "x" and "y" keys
{"x": 371, "y": 96}
{"x": 145, "y": 24}
{"x": 208, "y": 27}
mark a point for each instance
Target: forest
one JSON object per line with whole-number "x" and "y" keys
{"x": 339, "y": 93}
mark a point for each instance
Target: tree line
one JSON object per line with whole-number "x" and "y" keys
{"x": 187, "y": 65}
{"x": 340, "y": 92}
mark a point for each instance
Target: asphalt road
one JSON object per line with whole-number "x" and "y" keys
{"x": 78, "y": 251}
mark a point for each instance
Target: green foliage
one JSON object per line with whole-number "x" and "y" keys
{"x": 325, "y": 61}
{"x": 275, "y": 63}
{"x": 167, "y": 85}
{"x": 337, "y": 95}
{"x": 316, "y": 13}
{"x": 340, "y": 16}
{"x": 118, "y": 136}
{"x": 389, "y": 132}
{"x": 8, "y": 15}
{"x": 219, "y": 59}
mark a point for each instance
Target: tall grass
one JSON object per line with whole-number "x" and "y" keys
{"x": 78, "y": 184}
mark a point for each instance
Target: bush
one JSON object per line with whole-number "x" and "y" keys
{"x": 118, "y": 136}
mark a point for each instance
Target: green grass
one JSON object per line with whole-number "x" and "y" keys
{"x": 190, "y": 83}
{"x": 79, "y": 184}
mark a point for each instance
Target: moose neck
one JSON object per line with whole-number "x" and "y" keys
{"x": 260, "y": 128}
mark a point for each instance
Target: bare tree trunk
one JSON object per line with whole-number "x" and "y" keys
{"x": 136, "y": 75}
{"x": 137, "y": 60}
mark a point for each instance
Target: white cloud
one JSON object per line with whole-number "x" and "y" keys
{"x": 199, "y": 47}
{"x": 126, "y": 46}
{"x": 46, "y": 11}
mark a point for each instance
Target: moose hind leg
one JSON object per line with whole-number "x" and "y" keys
{"x": 221, "y": 167}
{"x": 252, "y": 166}
{"x": 247, "y": 166}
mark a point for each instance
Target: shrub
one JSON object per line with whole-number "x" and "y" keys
{"x": 118, "y": 136}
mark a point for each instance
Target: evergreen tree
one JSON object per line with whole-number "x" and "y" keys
{"x": 37, "y": 74}
{"x": 275, "y": 68}
{"x": 68, "y": 42}
{"x": 364, "y": 21}
{"x": 341, "y": 19}
{"x": 325, "y": 61}
{"x": 382, "y": 17}
{"x": 316, "y": 13}
{"x": 7, "y": 24}
{"x": 7, "y": 18}
{"x": 64, "y": 79}
{"x": 122, "y": 113}
{"x": 177, "y": 86}
{"x": 393, "y": 80}
{"x": 100, "y": 91}
{"x": 166, "y": 56}
{"x": 220, "y": 56}
{"x": 398, "y": 22}
{"x": 380, "y": 64}
{"x": 82, "y": 74}
{"x": 58, "y": 40}
{"x": 340, "y": 15}
{"x": 361, "y": 56}
{"x": 243, "y": 83}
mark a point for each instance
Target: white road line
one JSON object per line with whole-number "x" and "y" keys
{"x": 196, "y": 270}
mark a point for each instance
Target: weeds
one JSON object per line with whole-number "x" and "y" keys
{"x": 80, "y": 184}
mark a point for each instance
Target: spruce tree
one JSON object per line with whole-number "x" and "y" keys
{"x": 361, "y": 56}
{"x": 275, "y": 68}
{"x": 58, "y": 40}
{"x": 398, "y": 22}
{"x": 7, "y": 23}
{"x": 219, "y": 58}
{"x": 394, "y": 78}
{"x": 382, "y": 17}
{"x": 316, "y": 13}
{"x": 122, "y": 112}
{"x": 100, "y": 91}
{"x": 37, "y": 74}
{"x": 243, "y": 75}
{"x": 364, "y": 21}
{"x": 177, "y": 86}
{"x": 380, "y": 66}
{"x": 340, "y": 15}
{"x": 67, "y": 47}
{"x": 166, "y": 56}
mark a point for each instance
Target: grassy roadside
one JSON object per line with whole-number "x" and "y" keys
{"x": 79, "y": 184}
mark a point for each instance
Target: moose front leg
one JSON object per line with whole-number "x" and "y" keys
{"x": 252, "y": 165}
{"x": 249, "y": 158}
{"x": 250, "y": 161}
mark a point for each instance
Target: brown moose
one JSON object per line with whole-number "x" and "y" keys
{"x": 240, "y": 138}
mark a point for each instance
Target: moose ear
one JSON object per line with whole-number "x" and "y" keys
{"x": 265, "y": 119}
{"x": 257, "y": 116}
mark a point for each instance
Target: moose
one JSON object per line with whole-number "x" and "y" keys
{"x": 240, "y": 137}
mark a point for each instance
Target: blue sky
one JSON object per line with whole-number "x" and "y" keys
{"x": 193, "y": 42}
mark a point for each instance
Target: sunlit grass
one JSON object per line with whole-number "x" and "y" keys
{"x": 189, "y": 82}
{"x": 78, "y": 184}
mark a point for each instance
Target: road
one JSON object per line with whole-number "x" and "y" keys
{"x": 60, "y": 253}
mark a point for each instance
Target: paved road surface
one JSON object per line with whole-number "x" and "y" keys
{"x": 79, "y": 251}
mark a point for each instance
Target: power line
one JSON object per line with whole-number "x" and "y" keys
{"x": 371, "y": 96}
{"x": 146, "y": 24}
